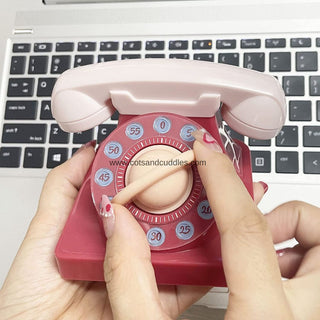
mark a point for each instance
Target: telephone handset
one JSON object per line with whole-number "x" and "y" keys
{"x": 160, "y": 103}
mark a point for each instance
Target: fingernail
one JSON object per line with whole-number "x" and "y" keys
{"x": 85, "y": 146}
{"x": 265, "y": 186}
{"x": 207, "y": 140}
{"x": 107, "y": 214}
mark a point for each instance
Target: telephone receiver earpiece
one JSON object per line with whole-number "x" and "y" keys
{"x": 253, "y": 103}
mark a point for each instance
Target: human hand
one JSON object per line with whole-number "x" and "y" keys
{"x": 250, "y": 262}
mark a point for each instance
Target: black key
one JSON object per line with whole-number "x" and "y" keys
{"x": 83, "y": 60}
{"x": 261, "y": 161}
{"x": 42, "y": 47}
{"x": 311, "y": 136}
{"x": 20, "y": 87}
{"x": 10, "y": 157}
{"x": 57, "y": 135}
{"x": 179, "y": 56}
{"x": 201, "y": 44}
{"x": 300, "y": 42}
{"x": 280, "y": 61}
{"x": 83, "y": 137}
{"x": 45, "y": 86}
{"x": 314, "y": 85}
{"x": 45, "y": 112}
{"x": 275, "y": 43}
{"x": 155, "y": 45}
{"x": 178, "y": 45}
{"x": 64, "y": 46}
{"x": 115, "y": 115}
{"x": 107, "y": 57}
{"x": 104, "y": 130}
{"x": 256, "y": 142}
{"x": 250, "y": 43}
{"x": 87, "y": 46}
{"x": 155, "y": 56}
{"x": 318, "y": 42}
{"x": 226, "y": 44}
{"x": 287, "y": 137}
{"x": 38, "y": 65}
{"x": 131, "y": 45}
{"x": 109, "y": 46}
{"x": 21, "y": 110}
{"x": 229, "y": 58}
{"x": 311, "y": 162}
{"x": 18, "y": 65}
{"x": 130, "y": 56}
{"x": 287, "y": 162}
{"x": 300, "y": 110}
{"x": 21, "y": 47}
{"x": 318, "y": 110}
{"x": 24, "y": 133}
{"x": 234, "y": 134}
{"x": 307, "y": 61}
{"x": 56, "y": 156}
{"x": 60, "y": 64}
{"x": 254, "y": 61}
{"x": 203, "y": 56}
{"x": 293, "y": 85}
{"x": 33, "y": 158}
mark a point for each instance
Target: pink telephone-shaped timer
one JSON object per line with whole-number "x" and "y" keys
{"x": 160, "y": 103}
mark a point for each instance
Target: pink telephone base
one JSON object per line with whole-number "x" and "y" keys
{"x": 81, "y": 248}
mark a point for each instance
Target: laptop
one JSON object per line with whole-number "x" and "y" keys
{"x": 41, "y": 39}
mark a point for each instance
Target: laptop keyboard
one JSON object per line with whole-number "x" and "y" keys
{"x": 32, "y": 142}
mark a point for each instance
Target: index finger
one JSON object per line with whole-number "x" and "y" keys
{"x": 248, "y": 255}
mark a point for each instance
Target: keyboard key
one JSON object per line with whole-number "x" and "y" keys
{"x": 229, "y": 58}
{"x": 64, "y": 46}
{"x": 130, "y": 56}
{"x": 115, "y": 115}
{"x": 57, "y": 135}
{"x": 21, "y": 47}
{"x": 233, "y": 134}
{"x": 311, "y": 162}
{"x": 18, "y": 65}
{"x": 83, "y": 137}
{"x": 155, "y": 56}
{"x": 38, "y": 65}
{"x": 45, "y": 111}
{"x": 311, "y": 136}
{"x": 83, "y": 60}
{"x": 318, "y": 42}
{"x": 33, "y": 158}
{"x": 262, "y": 143}
{"x": 42, "y": 47}
{"x": 250, "y": 43}
{"x": 10, "y": 157}
{"x": 56, "y": 156}
{"x": 24, "y": 133}
{"x": 109, "y": 46}
{"x": 318, "y": 110}
{"x": 293, "y": 85}
{"x": 287, "y": 162}
{"x": 131, "y": 45}
{"x": 275, "y": 43}
{"x": 226, "y": 44}
{"x": 45, "y": 86}
{"x": 201, "y": 44}
{"x": 314, "y": 86}
{"x": 20, "y": 87}
{"x": 155, "y": 45}
{"x": 203, "y": 56}
{"x": 261, "y": 161}
{"x": 60, "y": 64}
{"x": 300, "y": 42}
{"x": 107, "y": 57}
{"x": 87, "y": 46}
{"x": 300, "y": 110}
{"x": 179, "y": 56}
{"x": 306, "y": 61}
{"x": 178, "y": 45}
{"x": 104, "y": 130}
{"x": 21, "y": 110}
{"x": 254, "y": 61}
{"x": 280, "y": 61}
{"x": 287, "y": 137}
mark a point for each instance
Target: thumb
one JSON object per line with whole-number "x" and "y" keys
{"x": 128, "y": 271}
